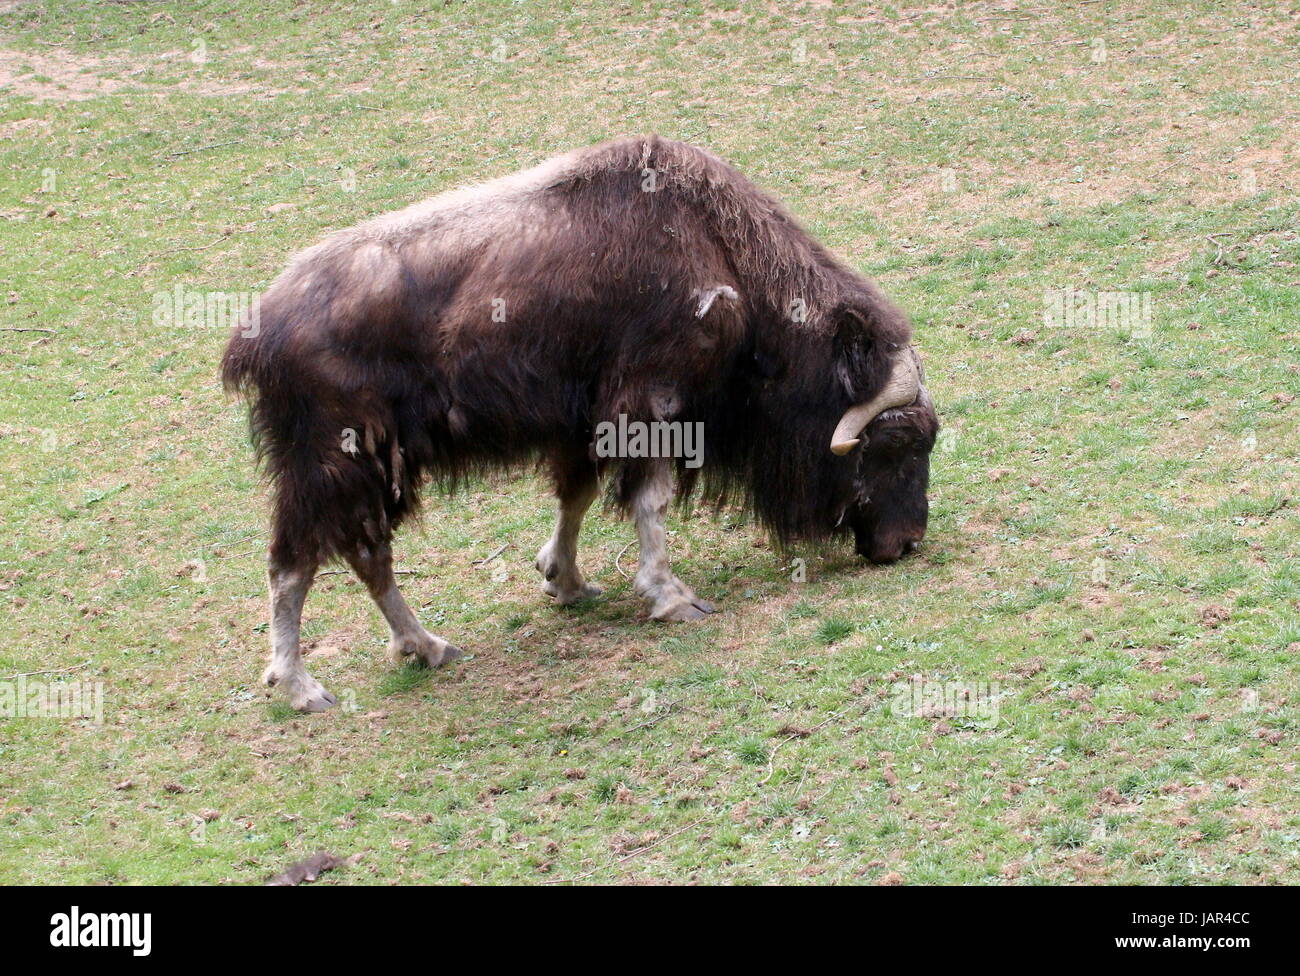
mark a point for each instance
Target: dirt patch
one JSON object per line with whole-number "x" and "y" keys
{"x": 61, "y": 76}
{"x": 334, "y": 643}
{"x": 18, "y": 127}
{"x": 225, "y": 89}
{"x": 54, "y": 77}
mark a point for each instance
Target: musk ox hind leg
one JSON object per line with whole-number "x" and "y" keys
{"x": 408, "y": 640}
{"x": 667, "y": 597}
{"x": 576, "y": 485}
{"x": 289, "y": 582}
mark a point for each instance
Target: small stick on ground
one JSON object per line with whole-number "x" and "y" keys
{"x": 487, "y": 559}
{"x": 627, "y": 857}
{"x": 215, "y": 145}
{"x": 771, "y": 769}
{"x": 30, "y": 674}
{"x": 345, "y": 572}
{"x": 658, "y": 718}
{"x": 620, "y": 556}
{"x": 1219, "y": 255}
{"x": 201, "y": 247}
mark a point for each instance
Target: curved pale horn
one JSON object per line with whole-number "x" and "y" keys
{"x": 900, "y": 389}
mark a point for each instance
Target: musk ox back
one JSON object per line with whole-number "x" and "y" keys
{"x": 639, "y": 282}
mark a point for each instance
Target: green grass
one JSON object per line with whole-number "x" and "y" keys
{"x": 1114, "y": 516}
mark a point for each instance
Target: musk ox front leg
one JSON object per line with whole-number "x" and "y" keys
{"x": 667, "y": 597}
{"x": 576, "y": 486}
{"x": 289, "y": 583}
{"x": 374, "y": 566}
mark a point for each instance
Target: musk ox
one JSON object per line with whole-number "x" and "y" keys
{"x": 642, "y": 280}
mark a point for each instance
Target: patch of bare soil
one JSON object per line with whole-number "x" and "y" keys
{"x": 61, "y": 76}
{"x": 58, "y": 76}
{"x": 19, "y": 127}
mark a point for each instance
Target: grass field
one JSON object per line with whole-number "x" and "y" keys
{"x": 1112, "y": 557}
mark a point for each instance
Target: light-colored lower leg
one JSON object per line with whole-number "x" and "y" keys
{"x": 288, "y": 593}
{"x": 557, "y": 561}
{"x": 407, "y": 638}
{"x": 667, "y": 596}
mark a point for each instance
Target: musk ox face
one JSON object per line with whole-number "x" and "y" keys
{"x": 890, "y": 510}
{"x": 888, "y": 433}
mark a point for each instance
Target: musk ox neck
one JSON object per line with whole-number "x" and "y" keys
{"x": 767, "y": 439}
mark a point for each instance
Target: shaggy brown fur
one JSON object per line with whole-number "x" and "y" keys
{"x": 594, "y": 274}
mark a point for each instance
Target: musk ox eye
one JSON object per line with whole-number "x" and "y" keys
{"x": 892, "y": 441}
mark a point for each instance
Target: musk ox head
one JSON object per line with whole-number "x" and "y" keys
{"x": 889, "y": 512}
{"x": 888, "y": 438}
